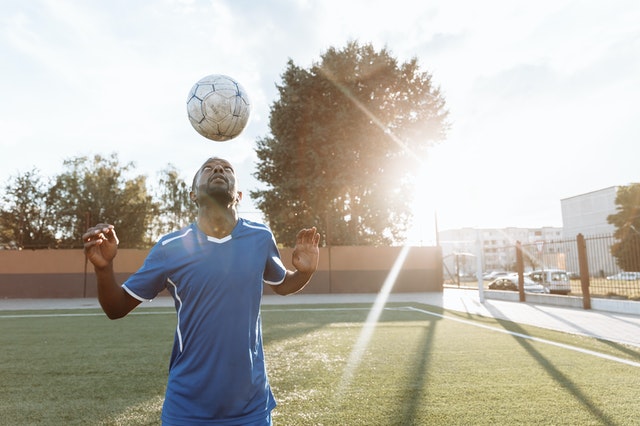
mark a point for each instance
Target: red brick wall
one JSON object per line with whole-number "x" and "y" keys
{"x": 65, "y": 274}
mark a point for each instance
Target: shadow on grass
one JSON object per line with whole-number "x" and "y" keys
{"x": 563, "y": 380}
{"x": 282, "y": 322}
{"x": 617, "y": 346}
{"x": 419, "y": 371}
{"x": 82, "y": 370}
{"x": 520, "y": 334}
{"x": 293, "y": 321}
{"x": 496, "y": 315}
{"x": 290, "y": 323}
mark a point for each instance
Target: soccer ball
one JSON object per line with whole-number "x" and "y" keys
{"x": 218, "y": 107}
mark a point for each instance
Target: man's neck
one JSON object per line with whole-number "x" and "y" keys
{"x": 217, "y": 223}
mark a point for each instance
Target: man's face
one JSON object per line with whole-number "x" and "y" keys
{"x": 217, "y": 180}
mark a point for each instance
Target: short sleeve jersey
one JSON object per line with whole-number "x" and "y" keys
{"x": 217, "y": 373}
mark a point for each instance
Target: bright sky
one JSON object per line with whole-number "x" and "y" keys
{"x": 543, "y": 96}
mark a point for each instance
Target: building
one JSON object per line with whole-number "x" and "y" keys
{"x": 460, "y": 247}
{"x": 587, "y": 214}
{"x": 551, "y": 247}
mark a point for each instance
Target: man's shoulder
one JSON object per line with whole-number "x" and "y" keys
{"x": 250, "y": 228}
{"x": 246, "y": 223}
{"x": 176, "y": 235}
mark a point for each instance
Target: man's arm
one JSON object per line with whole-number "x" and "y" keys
{"x": 305, "y": 260}
{"x": 100, "y": 247}
{"x": 115, "y": 301}
{"x": 293, "y": 282}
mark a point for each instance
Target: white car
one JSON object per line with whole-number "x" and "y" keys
{"x": 555, "y": 280}
{"x": 625, "y": 276}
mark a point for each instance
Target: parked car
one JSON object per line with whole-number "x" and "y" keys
{"x": 555, "y": 280}
{"x": 510, "y": 282}
{"x": 495, "y": 274}
{"x": 625, "y": 276}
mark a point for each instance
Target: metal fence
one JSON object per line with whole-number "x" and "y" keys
{"x": 592, "y": 267}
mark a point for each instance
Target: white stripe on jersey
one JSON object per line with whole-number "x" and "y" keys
{"x": 178, "y": 332}
{"x": 168, "y": 240}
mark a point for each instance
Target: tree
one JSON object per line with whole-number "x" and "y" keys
{"x": 176, "y": 209}
{"x": 346, "y": 139}
{"x": 26, "y": 220}
{"x": 54, "y": 212}
{"x": 96, "y": 191}
{"x": 626, "y": 249}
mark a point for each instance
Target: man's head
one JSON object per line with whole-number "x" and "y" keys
{"x": 215, "y": 181}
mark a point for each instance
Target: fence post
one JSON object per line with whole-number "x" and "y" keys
{"x": 583, "y": 264}
{"x": 479, "y": 267}
{"x": 520, "y": 269}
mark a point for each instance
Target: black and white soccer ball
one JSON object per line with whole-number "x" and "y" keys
{"x": 218, "y": 107}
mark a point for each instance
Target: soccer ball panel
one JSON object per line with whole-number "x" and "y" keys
{"x": 218, "y": 107}
{"x": 194, "y": 109}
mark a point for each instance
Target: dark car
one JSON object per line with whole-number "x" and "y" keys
{"x": 495, "y": 274}
{"x": 510, "y": 282}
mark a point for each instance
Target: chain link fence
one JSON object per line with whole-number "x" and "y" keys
{"x": 593, "y": 269}
{"x": 589, "y": 261}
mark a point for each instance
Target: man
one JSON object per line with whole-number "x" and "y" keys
{"x": 214, "y": 269}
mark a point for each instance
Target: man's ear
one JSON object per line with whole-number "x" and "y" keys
{"x": 193, "y": 197}
{"x": 239, "y": 197}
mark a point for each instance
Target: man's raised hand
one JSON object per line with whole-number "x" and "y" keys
{"x": 306, "y": 252}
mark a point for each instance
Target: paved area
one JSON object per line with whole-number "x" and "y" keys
{"x": 614, "y": 327}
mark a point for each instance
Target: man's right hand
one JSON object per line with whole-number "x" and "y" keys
{"x": 100, "y": 244}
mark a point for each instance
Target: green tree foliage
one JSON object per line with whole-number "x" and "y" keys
{"x": 346, "y": 139}
{"x": 54, "y": 213}
{"x": 96, "y": 190}
{"x": 176, "y": 209}
{"x": 26, "y": 220}
{"x": 626, "y": 250}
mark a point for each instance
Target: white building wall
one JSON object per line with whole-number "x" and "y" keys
{"x": 586, "y": 214}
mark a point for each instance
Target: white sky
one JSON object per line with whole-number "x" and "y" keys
{"x": 543, "y": 96}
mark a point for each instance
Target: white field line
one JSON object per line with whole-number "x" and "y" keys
{"x": 84, "y": 314}
{"x": 171, "y": 311}
{"x": 410, "y": 308}
{"x": 526, "y": 336}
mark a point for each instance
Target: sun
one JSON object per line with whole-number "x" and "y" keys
{"x": 422, "y": 230}
{"x": 441, "y": 196}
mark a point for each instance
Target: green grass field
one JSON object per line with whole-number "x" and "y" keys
{"x": 422, "y": 366}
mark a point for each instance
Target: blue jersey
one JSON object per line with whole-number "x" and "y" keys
{"x": 217, "y": 372}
